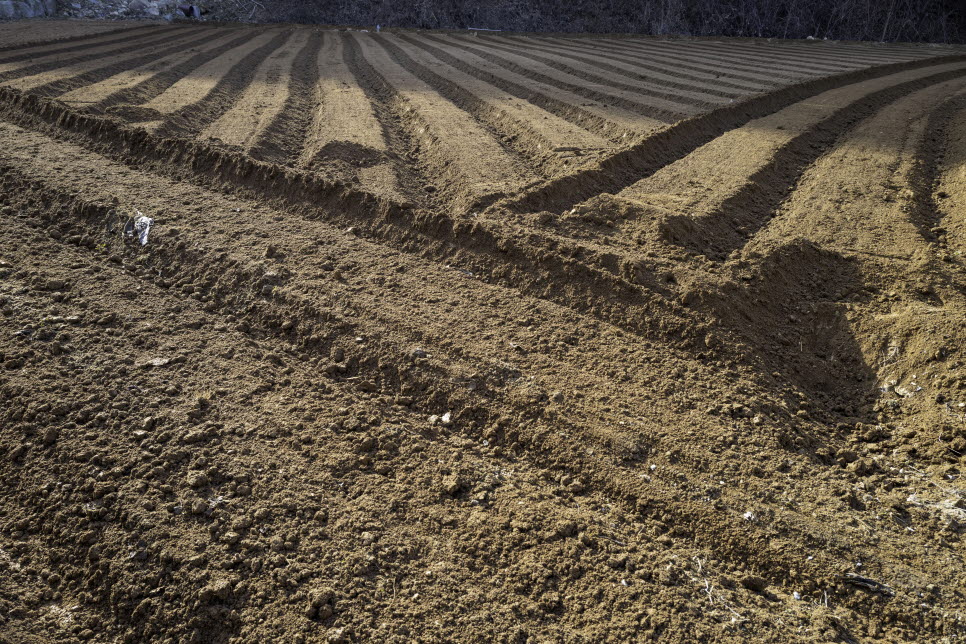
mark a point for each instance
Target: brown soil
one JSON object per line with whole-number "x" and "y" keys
{"x": 18, "y": 33}
{"x": 468, "y": 338}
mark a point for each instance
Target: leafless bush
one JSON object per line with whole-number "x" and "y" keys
{"x": 939, "y": 21}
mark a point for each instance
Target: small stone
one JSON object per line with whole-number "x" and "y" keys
{"x": 197, "y": 479}
{"x": 452, "y": 485}
{"x": 199, "y": 506}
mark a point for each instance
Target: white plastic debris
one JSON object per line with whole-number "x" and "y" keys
{"x": 142, "y": 227}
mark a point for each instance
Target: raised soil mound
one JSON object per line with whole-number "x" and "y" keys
{"x": 442, "y": 337}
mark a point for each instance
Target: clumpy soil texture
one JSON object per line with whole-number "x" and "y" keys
{"x": 480, "y": 338}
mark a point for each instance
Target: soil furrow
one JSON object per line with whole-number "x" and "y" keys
{"x": 207, "y": 92}
{"x": 807, "y": 62}
{"x": 28, "y": 51}
{"x": 764, "y": 63}
{"x": 265, "y": 94}
{"x": 478, "y": 168}
{"x": 611, "y": 123}
{"x": 710, "y": 69}
{"x": 64, "y": 81}
{"x": 523, "y": 67}
{"x": 949, "y": 192}
{"x": 356, "y": 124}
{"x": 677, "y": 141}
{"x": 126, "y": 76}
{"x": 346, "y": 389}
{"x": 527, "y": 129}
{"x": 808, "y": 131}
{"x": 125, "y": 101}
{"x": 56, "y": 63}
{"x": 697, "y": 90}
{"x": 282, "y": 137}
{"x": 216, "y": 263}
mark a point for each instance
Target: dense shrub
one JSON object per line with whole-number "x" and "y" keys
{"x": 878, "y": 20}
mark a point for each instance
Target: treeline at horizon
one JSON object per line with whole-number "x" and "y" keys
{"x": 937, "y": 21}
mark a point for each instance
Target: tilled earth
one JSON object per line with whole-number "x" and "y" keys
{"x": 468, "y": 338}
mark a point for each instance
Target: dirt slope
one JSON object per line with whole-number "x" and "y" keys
{"x": 402, "y": 360}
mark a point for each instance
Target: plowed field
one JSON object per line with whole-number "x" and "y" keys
{"x": 449, "y": 337}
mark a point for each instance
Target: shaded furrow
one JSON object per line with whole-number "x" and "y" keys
{"x": 767, "y": 57}
{"x": 656, "y": 84}
{"x": 56, "y": 64}
{"x": 202, "y": 96}
{"x": 125, "y": 77}
{"x": 72, "y": 78}
{"x": 121, "y": 102}
{"x": 521, "y": 65}
{"x": 677, "y": 141}
{"x": 614, "y": 124}
{"x": 726, "y": 74}
{"x": 29, "y": 51}
{"x": 469, "y": 162}
{"x": 811, "y": 130}
{"x": 262, "y": 99}
{"x": 361, "y": 109}
{"x": 529, "y": 130}
{"x": 282, "y": 137}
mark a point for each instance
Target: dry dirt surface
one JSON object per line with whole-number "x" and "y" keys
{"x": 448, "y": 337}
{"x": 17, "y": 33}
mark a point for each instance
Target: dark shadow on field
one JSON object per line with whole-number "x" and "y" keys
{"x": 788, "y": 309}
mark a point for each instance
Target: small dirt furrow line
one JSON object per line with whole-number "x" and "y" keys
{"x": 614, "y": 124}
{"x": 307, "y": 317}
{"x": 722, "y": 54}
{"x": 199, "y": 98}
{"x": 266, "y": 94}
{"x": 345, "y": 131}
{"x": 526, "y": 128}
{"x": 925, "y": 170}
{"x": 949, "y": 191}
{"x": 157, "y": 81}
{"x": 664, "y": 83}
{"x": 517, "y": 139}
{"x": 542, "y": 267}
{"x": 475, "y": 164}
{"x": 281, "y": 138}
{"x": 68, "y": 79}
{"x": 59, "y": 62}
{"x": 625, "y": 62}
{"x": 813, "y": 127}
{"x": 715, "y": 64}
{"x": 863, "y": 51}
{"x": 775, "y": 55}
{"x": 125, "y": 74}
{"x": 30, "y": 51}
{"x": 525, "y": 67}
{"x": 358, "y": 95}
{"x": 677, "y": 141}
